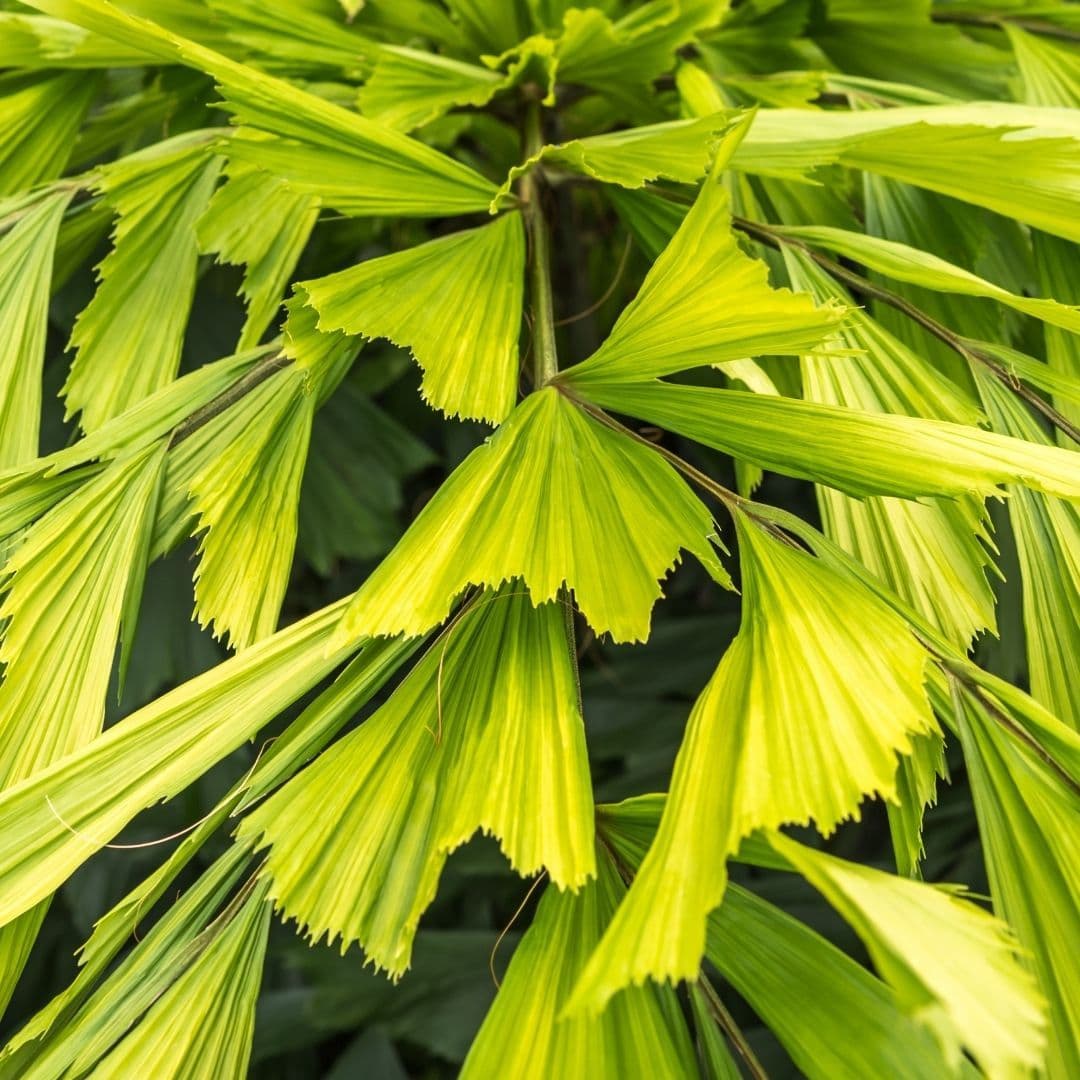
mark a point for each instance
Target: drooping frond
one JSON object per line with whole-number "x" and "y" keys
{"x": 954, "y": 967}
{"x": 857, "y": 452}
{"x": 576, "y": 522}
{"x": 796, "y": 695}
{"x": 1025, "y": 788}
{"x": 128, "y": 339}
{"x": 26, "y": 261}
{"x": 38, "y": 122}
{"x": 69, "y": 810}
{"x": 704, "y": 302}
{"x": 641, "y": 1034}
{"x": 455, "y": 302}
{"x": 485, "y": 733}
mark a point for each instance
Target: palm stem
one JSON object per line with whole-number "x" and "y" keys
{"x": 545, "y": 357}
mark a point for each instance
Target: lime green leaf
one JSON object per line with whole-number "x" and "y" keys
{"x": 38, "y": 122}
{"x": 465, "y": 334}
{"x": 577, "y": 521}
{"x": 634, "y": 49}
{"x": 954, "y": 967}
{"x": 235, "y": 227}
{"x": 26, "y": 260}
{"x": 485, "y": 733}
{"x": 1029, "y": 822}
{"x": 813, "y": 997}
{"x": 361, "y": 167}
{"x": 410, "y": 88}
{"x": 36, "y": 41}
{"x": 917, "y": 267}
{"x": 715, "y": 1055}
{"x": 796, "y": 695}
{"x": 1047, "y": 535}
{"x": 204, "y": 1023}
{"x": 934, "y": 554}
{"x": 1049, "y": 70}
{"x": 704, "y": 302}
{"x": 1018, "y": 160}
{"x": 492, "y": 25}
{"x": 676, "y": 150}
{"x": 69, "y": 810}
{"x": 858, "y": 452}
{"x": 246, "y": 501}
{"x": 72, "y": 1034}
{"x": 130, "y": 336}
{"x": 75, "y": 578}
{"x": 641, "y": 1034}
{"x": 1055, "y": 261}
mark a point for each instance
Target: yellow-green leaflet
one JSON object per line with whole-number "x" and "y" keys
{"x": 78, "y": 1033}
{"x": 410, "y": 88}
{"x": 65, "y": 812}
{"x": 235, "y": 226}
{"x": 246, "y": 501}
{"x": 70, "y": 586}
{"x": 1028, "y": 810}
{"x": 455, "y": 302}
{"x": 203, "y": 1024}
{"x": 360, "y": 166}
{"x": 491, "y": 27}
{"x": 128, "y": 339}
{"x": 858, "y": 452}
{"x": 905, "y": 263}
{"x": 603, "y": 53}
{"x": 38, "y": 122}
{"x": 1049, "y": 70}
{"x": 955, "y": 968}
{"x": 704, "y": 302}
{"x": 1047, "y": 535}
{"x": 675, "y": 150}
{"x": 485, "y": 733}
{"x": 576, "y": 522}
{"x": 796, "y": 695}
{"x": 36, "y": 41}
{"x": 932, "y": 553}
{"x": 26, "y": 260}
{"x": 1017, "y": 160}
{"x": 1055, "y": 262}
{"x": 642, "y": 1033}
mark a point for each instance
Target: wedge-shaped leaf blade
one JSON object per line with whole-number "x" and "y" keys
{"x": 954, "y": 966}
{"x": 934, "y": 554}
{"x": 679, "y": 150}
{"x": 916, "y": 267}
{"x": 797, "y": 695}
{"x": 641, "y": 1034}
{"x": 1047, "y": 535}
{"x": 703, "y": 302}
{"x": 485, "y": 733}
{"x": 204, "y": 1023}
{"x": 1028, "y": 810}
{"x": 64, "y": 813}
{"x": 455, "y": 302}
{"x": 410, "y": 88}
{"x": 360, "y": 166}
{"x": 73, "y": 582}
{"x": 592, "y": 511}
{"x": 26, "y": 262}
{"x": 1017, "y": 160}
{"x": 857, "y": 452}
{"x": 38, "y": 123}
{"x": 246, "y": 500}
{"x": 235, "y": 227}
{"x": 91, "y": 1028}
{"x": 128, "y": 339}
{"x": 815, "y": 998}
